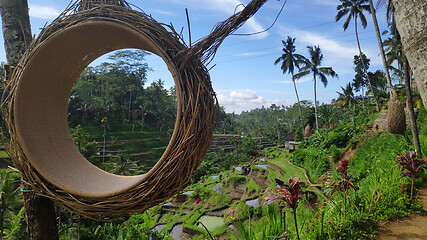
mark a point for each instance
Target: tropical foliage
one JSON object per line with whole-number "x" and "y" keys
{"x": 116, "y": 90}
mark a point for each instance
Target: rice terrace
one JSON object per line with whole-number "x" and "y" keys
{"x": 204, "y": 119}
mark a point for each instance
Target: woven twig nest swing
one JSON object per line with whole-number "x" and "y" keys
{"x": 41, "y": 145}
{"x": 396, "y": 118}
{"x": 36, "y": 99}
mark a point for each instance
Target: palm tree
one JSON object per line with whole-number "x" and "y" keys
{"x": 346, "y": 98}
{"x": 393, "y": 49}
{"x": 410, "y": 16}
{"x": 354, "y": 9}
{"x": 312, "y": 65}
{"x": 123, "y": 165}
{"x": 380, "y": 44}
{"x": 290, "y": 60}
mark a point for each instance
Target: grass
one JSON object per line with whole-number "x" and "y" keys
{"x": 4, "y": 154}
{"x": 289, "y": 169}
{"x": 252, "y": 186}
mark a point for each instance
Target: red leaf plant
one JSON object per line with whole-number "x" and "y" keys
{"x": 345, "y": 182}
{"x": 291, "y": 194}
{"x": 412, "y": 165}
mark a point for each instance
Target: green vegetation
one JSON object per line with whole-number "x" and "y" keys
{"x": 378, "y": 199}
{"x": 116, "y": 91}
{"x": 290, "y": 170}
{"x": 375, "y": 158}
{"x": 123, "y": 126}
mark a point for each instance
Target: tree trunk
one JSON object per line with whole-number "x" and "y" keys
{"x": 3, "y": 209}
{"x": 380, "y": 43}
{"x": 299, "y": 105}
{"x": 411, "y": 21}
{"x": 363, "y": 97}
{"x": 315, "y": 104}
{"x": 410, "y": 107}
{"x": 16, "y": 29}
{"x": 41, "y": 219}
{"x": 130, "y": 104}
{"x": 40, "y": 212}
{"x": 364, "y": 66}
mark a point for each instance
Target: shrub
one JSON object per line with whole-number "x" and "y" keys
{"x": 314, "y": 161}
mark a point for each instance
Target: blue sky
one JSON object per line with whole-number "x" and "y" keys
{"x": 244, "y": 76}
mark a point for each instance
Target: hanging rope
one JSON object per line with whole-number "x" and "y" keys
{"x": 265, "y": 30}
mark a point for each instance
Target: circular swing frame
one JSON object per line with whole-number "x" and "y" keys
{"x": 36, "y": 103}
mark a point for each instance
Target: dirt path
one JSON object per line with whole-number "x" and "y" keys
{"x": 414, "y": 227}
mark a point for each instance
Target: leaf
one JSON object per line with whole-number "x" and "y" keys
{"x": 279, "y": 182}
{"x": 270, "y": 200}
{"x": 294, "y": 182}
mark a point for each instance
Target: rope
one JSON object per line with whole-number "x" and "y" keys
{"x": 265, "y": 30}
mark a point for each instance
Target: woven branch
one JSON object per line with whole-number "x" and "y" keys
{"x": 206, "y": 48}
{"x": 195, "y": 123}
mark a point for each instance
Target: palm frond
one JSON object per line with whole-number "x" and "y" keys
{"x": 347, "y": 22}
{"x": 300, "y": 59}
{"x": 301, "y": 74}
{"x": 363, "y": 19}
{"x": 366, "y": 7}
{"x": 341, "y": 13}
{"x": 323, "y": 79}
{"x": 328, "y": 71}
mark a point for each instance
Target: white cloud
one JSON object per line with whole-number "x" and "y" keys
{"x": 250, "y": 54}
{"x": 252, "y": 26}
{"x": 327, "y": 45}
{"x": 245, "y": 100}
{"x": 163, "y": 12}
{"x": 44, "y": 12}
{"x": 337, "y": 52}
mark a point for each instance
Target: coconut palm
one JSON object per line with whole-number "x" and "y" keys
{"x": 346, "y": 97}
{"x": 411, "y": 18}
{"x": 354, "y": 10}
{"x": 380, "y": 44}
{"x": 290, "y": 60}
{"x": 393, "y": 52}
{"x": 312, "y": 66}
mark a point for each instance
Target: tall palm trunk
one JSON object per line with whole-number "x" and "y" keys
{"x": 299, "y": 104}
{"x": 315, "y": 103}
{"x": 364, "y": 66}
{"x": 411, "y": 20}
{"x": 2, "y": 209}
{"x": 410, "y": 107}
{"x": 363, "y": 97}
{"x": 380, "y": 43}
{"x": 16, "y": 29}
{"x": 40, "y": 212}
